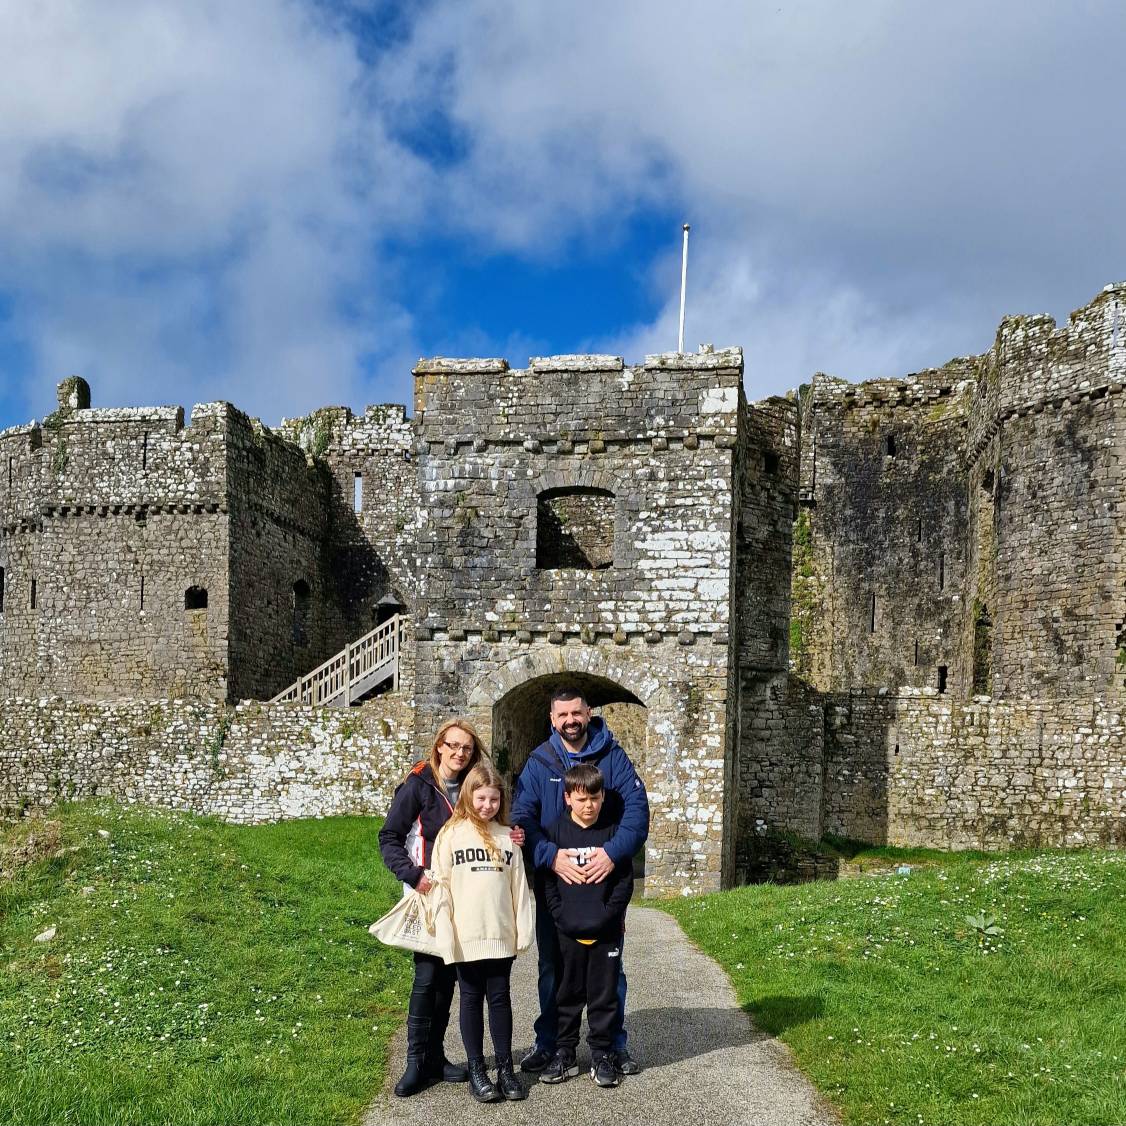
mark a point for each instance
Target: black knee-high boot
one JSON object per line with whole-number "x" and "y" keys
{"x": 420, "y": 1013}
{"x": 438, "y": 1068}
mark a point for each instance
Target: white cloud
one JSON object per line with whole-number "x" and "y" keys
{"x": 901, "y": 175}
{"x": 194, "y": 193}
{"x": 192, "y": 200}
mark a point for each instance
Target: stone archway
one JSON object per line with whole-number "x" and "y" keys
{"x": 520, "y": 717}
{"x": 673, "y": 729}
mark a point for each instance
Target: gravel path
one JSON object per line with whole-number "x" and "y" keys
{"x": 704, "y": 1061}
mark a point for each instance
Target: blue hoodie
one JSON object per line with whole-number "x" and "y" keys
{"x": 538, "y": 800}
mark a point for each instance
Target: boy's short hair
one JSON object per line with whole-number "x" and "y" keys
{"x": 583, "y": 776}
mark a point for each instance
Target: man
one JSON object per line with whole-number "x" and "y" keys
{"x": 576, "y": 737}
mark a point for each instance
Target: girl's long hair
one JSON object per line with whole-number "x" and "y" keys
{"x": 483, "y": 774}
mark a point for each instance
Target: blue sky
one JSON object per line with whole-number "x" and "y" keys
{"x": 284, "y": 203}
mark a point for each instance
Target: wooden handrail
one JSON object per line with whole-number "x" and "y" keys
{"x": 358, "y": 659}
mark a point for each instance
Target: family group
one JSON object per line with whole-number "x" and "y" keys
{"x": 579, "y": 813}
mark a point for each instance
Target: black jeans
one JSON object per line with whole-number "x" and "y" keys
{"x": 487, "y": 979}
{"x": 589, "y": 976}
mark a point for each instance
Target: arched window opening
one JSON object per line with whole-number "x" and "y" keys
{"x": 195, "y": 598}
{"x": 575, "y": 529}
{"x": 983, "y": 653}
{"x": 387, "y": 607}
{"x": 301, "y": 593}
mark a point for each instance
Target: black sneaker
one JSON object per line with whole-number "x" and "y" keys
{"x": 604, "y": 1072}
{"x": 625, "y": 1064}
{"x": 535, "y": 1060}
{"x": 562, "y": 1067}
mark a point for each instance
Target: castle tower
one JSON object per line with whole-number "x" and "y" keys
{"x": 579, "y": 518}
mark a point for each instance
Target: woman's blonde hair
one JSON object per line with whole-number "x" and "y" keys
{"x": 483, "y": 774}
{"x": 462, "y": 725}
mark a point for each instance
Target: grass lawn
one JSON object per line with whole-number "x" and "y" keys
{"x": 901, "y": 1011}
{"x": 200, "y": 973}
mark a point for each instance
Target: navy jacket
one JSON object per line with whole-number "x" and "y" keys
{"x": 538, "y": 800}
{"x": 418, "y": 810}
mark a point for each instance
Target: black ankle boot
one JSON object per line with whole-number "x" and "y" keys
{"x": 414, "y": 1078}
{"x": 481, "y": 1087}
{"x": 510, "y": 1087}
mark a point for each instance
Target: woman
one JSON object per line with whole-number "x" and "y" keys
{"x": 423, "y": 803}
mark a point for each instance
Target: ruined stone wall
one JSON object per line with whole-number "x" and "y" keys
{"x": 923, "y": 769}
{"x": 652, "y": 628}
{"x": 251, "y": 763}
{"x": 285, "y": 616}
{"x": 1046, "y": 444}
{"x": 775, "y": 766}
{"x": 883, "y": 532}
{"x": 113, "y": 515}
{"x": 374, "y": 512}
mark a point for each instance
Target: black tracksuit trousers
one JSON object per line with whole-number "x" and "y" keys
{"x": 588, "y": 975}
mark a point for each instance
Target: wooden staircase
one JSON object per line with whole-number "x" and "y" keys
{"x": 354, "y": 671}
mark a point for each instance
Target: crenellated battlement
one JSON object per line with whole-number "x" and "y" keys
{"x": 583, "y": 403}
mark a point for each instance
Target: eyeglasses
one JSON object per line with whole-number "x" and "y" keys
{"x": 458, "y": 748}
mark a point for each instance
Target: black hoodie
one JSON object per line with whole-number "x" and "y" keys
{"x": 588, "y": 910}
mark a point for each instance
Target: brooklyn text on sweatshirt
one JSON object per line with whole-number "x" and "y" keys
{"x": 492, "y": 909}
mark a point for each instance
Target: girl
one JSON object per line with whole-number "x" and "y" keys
{"x": 493, "y": 921}
{"x": 423, "y": 803}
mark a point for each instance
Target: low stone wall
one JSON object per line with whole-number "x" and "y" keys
{"x": 920, "y": 768}
{"x": 250, "y": 763}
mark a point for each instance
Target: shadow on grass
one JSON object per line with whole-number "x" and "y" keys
{"x": 775, "y": 1014}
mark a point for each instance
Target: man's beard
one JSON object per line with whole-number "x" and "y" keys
{"x": 573, "y": 732}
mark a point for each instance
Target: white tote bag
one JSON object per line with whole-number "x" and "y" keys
{"x": 419, "y": 922}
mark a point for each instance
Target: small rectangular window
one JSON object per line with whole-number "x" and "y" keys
{"x": 770, "y": 463}
{"x": 872, "y": 614}
{"x": 10, "y": 472}
{"x": 942, "y": 571}
{"x": 916, "y": 653}
{"x": 942, "y": 678}
{"x": 145, "y": 451}
{"x": 358, "y": 493}
{"x": 919, "y": 534}
{"x": 34, "y": 593}
{"x": 1, "y": 590}
{"x": 142, "y": 592}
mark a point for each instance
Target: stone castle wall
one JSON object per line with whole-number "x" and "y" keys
{"x": 107, "y": 517}
{"x": 1046, "y": 442}
{"x": 251, "y": 763}
{"x": 965, "y": 519}
{"x": 919, "y": 768}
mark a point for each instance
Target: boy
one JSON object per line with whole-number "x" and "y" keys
{"x": 590, "y": 918}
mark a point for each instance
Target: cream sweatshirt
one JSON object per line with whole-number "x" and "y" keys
{"x": 494, "y": 915}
